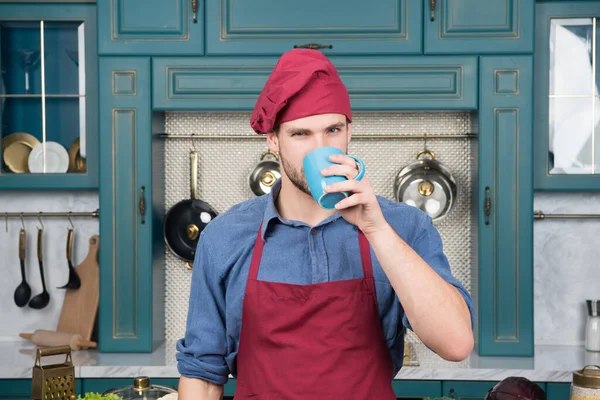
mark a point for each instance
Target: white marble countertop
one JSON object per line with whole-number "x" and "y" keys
{"x": 550, "y": 364}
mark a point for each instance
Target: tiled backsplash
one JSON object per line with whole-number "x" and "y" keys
{"x": 225, "y": 164}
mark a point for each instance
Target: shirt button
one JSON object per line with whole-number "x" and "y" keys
{"x": 313, "y": 231}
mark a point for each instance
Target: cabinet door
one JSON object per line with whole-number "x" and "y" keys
{"x": 336, "y": 26}
{"x": 413, "y": 390}
{"x": 48, "y": 97}
{"x": 505, "y": 207}
{"x": 567, "y": 106}
{"x": 151, "y": 27}
{"x": 131, "y": 313}
{"x": 478, "y": 27}
{"x": 388, "y": 83}
{"x": 558, "y": 391}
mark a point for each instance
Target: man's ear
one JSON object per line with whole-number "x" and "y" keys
{"x": 273, "y": 142}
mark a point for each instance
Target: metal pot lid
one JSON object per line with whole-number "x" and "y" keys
{"x": 264, "y": 175}
{"x": 588, "y": 376}
{"x": 141, "y": 389}
{"x": 428, "y": 185}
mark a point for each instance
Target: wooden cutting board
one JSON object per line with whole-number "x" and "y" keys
{"x": 80, "y": 306}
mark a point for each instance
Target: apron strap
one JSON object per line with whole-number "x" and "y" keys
{"x": 365, "y": 256}
{"x": 363, "y": 243}
{"x": 256, "y": 254}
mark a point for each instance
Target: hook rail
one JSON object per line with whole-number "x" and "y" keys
{"x": 41, "y": 214}
{"x": 537, "y": 214}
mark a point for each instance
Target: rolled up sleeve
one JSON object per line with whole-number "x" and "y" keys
{"x": 428, "y": 244}
{"x": 201, "y": 352}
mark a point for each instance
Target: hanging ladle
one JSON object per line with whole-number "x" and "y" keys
{"x": 23, "y": 291}
{"x": 41, "y": 300}
{"x": 74, "y": 282}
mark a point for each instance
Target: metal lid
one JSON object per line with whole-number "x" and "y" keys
{"x": 142, "y": 389}
{"x": 593, "y": 307}
{"x": 587, "y": 377}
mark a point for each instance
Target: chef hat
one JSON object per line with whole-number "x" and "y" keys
{"x": 303, "y": 83}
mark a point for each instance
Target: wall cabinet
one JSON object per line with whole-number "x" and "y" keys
{"x": 505, "y": 204}
{"x": 48, "y": 102}
{"x": 131, "y": 317}
{"x": 478, "y": 27}
{"x": 237, "y": 27}
{"x": 390, "y": 83}
{"x": 567, "y": 107}
{"x": 151, "y": 27}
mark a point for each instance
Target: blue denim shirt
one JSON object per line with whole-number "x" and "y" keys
{"x": 293, "y": 253}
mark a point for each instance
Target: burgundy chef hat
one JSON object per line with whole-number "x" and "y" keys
{"x": 303, "y": 83}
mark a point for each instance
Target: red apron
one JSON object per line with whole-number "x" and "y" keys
{"x": 317, "y": 341}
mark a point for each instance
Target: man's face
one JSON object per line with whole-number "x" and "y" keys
{"x": 298, "y": 137}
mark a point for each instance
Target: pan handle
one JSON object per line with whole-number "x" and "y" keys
{"x": 194, "y": 174}
{"x": 143, "y": 204}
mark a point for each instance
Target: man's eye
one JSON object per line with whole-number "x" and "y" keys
{"x": 334, "y": 130}
{"x": 298, "y": 134}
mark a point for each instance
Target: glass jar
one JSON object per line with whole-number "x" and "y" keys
{"x": 141, "y": 389}
{"x": 586, "y": 383}
{"x": 592, "y": 327}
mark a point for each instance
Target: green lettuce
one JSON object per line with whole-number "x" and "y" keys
{"x": 98, "y": 396}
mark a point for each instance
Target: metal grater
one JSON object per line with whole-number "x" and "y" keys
{"x": 54, "y": 381}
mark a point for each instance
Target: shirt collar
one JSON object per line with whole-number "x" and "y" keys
{"x": 271, "y": 211}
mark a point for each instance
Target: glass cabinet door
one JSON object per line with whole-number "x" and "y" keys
{"x": 573, "y": 100}
{"x": 42, "y": 97}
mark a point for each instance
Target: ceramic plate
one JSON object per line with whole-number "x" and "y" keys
{"x": 57, "y": 158}
{"x": 16, "y": 156}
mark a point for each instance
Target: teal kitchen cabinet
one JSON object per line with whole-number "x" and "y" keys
{"x": 505, "y": 196}
{"x": 417, "y": 389}
{"x": 349, "y": 27}
{"x": 15, "y": 389}
{"x": 558, "y": 391}
{"x": 478, "y": 27}
{"x": 567, "y": 106}
{"x": 386, "y": 83}
{"x": 151, "y": 27}
{"x": 131, "y": 315}
{"x": 463, "y": 390}
{"x": 48, "y": 94}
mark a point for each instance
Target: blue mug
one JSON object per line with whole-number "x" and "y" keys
{"x": 317, "y": 160}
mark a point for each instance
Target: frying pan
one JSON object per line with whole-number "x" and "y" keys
{"x": 186, "y": 219}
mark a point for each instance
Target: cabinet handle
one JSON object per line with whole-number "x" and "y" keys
{"x": 487, "y": 205}
{"x": 451, "y": 393}
{"x": 432, "y": 6}
{"x": 143, "y": 204}
{"x": 194, "y": 10}
{"x": 314, "y": 46}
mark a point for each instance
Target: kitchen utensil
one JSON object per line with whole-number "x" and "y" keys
{"x": 186, "y": 219}
{"x": 41, "y": 300}
{"x": 57, "y": 158}
{"x": 43, "y": 337}
{"x": 16, "y": 157}
{"x": 427, "y": 184}
{"x": 586, "y": 383}
{"x": 264, "y": 174}
{"x": 24, "y": 138}
{"x": 23, "y": 291}
{"x": 54, "y": 381}
{"x": 76, "y": 162}
{"x": 74, "y": 281}
{"x": 317, "y": 160}
{"x": 80, "y": 307}
{"x": 141, "y": 389}
{"x": 592, "y": 326}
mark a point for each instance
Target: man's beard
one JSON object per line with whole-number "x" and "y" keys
{"x": 296, "y": 177}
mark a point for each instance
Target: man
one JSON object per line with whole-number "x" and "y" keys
{"x": 300, "y": 302}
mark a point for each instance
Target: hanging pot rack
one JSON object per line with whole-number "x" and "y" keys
{"x": 41, "y": 214}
